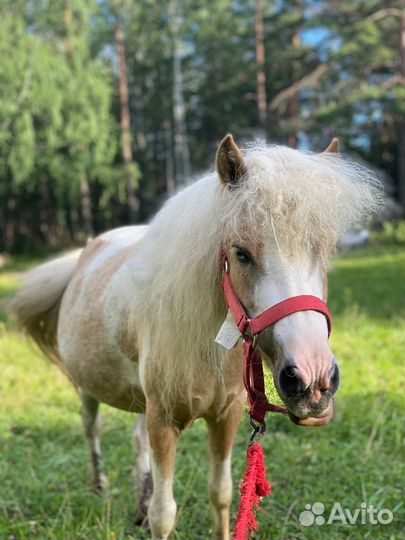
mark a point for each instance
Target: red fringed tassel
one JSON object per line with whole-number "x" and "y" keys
{"x": 254, "y": 486}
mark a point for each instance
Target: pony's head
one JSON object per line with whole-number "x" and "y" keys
{"x": 283, "y": 212}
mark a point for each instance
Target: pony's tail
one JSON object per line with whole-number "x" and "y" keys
{"x": 37, "y": 303}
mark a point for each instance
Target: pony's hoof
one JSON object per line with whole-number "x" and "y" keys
{"x": 141, "y": 520}
{"x": 100, "y": 486}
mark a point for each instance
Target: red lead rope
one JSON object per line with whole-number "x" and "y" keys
{"x": 255, "y": 485}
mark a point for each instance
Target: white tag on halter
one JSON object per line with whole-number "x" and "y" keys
{"x": 228, "y": 334}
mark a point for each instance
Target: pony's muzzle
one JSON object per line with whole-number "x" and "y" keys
{"x": 313, "y": 421}
{"x": 308, "y": 404}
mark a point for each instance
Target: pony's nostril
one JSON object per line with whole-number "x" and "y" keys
{"x": 333, "y": 375}
{"x": 290, "y": 371}
{"x": 290, "y": 381}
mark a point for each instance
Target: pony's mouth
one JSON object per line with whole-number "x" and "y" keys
{"x": 312, "y": 421}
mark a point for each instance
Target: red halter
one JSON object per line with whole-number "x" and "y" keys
{"x": 253, "y": 369}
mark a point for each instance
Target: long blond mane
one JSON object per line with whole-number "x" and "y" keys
{"x": 307, "y": 201}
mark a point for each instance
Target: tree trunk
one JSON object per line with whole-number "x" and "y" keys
{"x": 139, "y": 122}
{"x": 401, "y": 122}
{"x": 293, "y": 106}
{"x": 261, "y": 74}
{"x": 74, "y": 223}
{"x": 181, "y": 149}
{"x": 68, "y": 20}
{"x": 170, "y": 182}
{"x": 132, "y": 200}
{"x": 85, "y": 201}
{"x": 10, "y": 222}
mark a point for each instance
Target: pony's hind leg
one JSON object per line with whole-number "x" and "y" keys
{"x": 92, "y": 428}
{"x": 142, "y": 473}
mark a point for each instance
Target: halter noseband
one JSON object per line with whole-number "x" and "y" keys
{"x": 250, "y": 328}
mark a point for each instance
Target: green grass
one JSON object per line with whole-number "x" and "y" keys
{"x": 44, "y": 469}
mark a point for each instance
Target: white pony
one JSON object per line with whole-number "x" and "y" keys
{"x": 132, "y": 318}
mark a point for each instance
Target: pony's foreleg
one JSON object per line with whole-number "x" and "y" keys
{"x": 142, "y": 473}
{"x": 163, "y": 441}
{"x": 221, "y": 434}
{"x": 92, "y": 428}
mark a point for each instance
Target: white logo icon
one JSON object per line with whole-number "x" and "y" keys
{"x": 312, "y": 514}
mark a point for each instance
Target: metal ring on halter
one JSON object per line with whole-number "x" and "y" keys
{"x": 253, "y": 337}
{"x": 226, "y": 266}
{"x": 258, "y": 430}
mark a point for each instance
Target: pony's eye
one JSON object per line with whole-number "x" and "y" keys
{"x": 242, "y": 256}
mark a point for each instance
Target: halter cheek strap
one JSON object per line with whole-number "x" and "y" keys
{"x": 253, "y": 377}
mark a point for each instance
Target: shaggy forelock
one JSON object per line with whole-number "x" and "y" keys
{"x": 306, "y": 201}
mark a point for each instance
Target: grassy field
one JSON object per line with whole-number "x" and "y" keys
{"x": 44, "y": 469}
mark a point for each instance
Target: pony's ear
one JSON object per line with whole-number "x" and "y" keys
{"x": 229, "y": 161}
{"x": 333, "y": 148}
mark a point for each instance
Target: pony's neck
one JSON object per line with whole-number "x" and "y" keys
{"x": 178, "y": 307}
{"x": 181, "y": 292}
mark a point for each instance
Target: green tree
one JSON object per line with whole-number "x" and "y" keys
{"x": 363, "y": 97}
{"x": 57, "y": 132}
